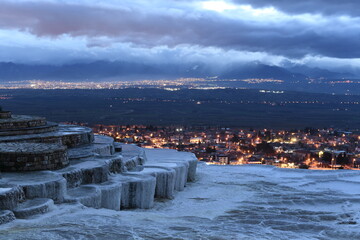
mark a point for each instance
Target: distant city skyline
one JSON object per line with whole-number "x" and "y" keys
{"x": 315, "y": 33}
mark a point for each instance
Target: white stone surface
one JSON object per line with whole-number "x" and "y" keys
{"x": 226, "y": 202}
{"x": 88, "y": 195}
{"x": 116, "y": 182}
{"x": 85, "y": 171}
{"x": 165, "y": 180}
{"x": 33, "y": 207}
{"x": 110, "y": 195}
{"x": 180, "y": 168}
{"x": 4, "y": 190}
{"x": 170, "y": 155}
{"x": 138, "y": 190}
{"x": 44, "y": 184}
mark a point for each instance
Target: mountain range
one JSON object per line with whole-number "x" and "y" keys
{"x": 104, "y": 70}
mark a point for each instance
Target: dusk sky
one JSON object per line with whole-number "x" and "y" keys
{"x": 322, "y": 33}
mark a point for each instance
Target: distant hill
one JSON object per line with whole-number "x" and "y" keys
{"x": 318, "y": 72}
{"x": 101, "y": 70}
{"x": 93, "y": 70}
{"x": 258, "y": 70}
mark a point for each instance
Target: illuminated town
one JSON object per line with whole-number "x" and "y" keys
{"x": 307, "y": 149}
{"x": 166, "y": 84}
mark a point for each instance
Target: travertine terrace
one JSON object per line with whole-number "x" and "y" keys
{"x": 43, "y": 163}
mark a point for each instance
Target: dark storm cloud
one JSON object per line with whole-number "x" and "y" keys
{"x": 291, "y": 37}
{"x": 326, "y": 7}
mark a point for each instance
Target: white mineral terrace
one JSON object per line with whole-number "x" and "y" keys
{"x": 225, "y": 202}
{"x": 98, "y": 181}
{"x": 68, "y": 166}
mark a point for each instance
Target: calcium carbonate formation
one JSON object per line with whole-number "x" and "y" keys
{"x": 44, "y": 163}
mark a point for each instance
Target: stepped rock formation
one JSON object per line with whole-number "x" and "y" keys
{"x": 44, "y": 163}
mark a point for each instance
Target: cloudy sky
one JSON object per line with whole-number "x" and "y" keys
{"x": 323, "y": 33}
